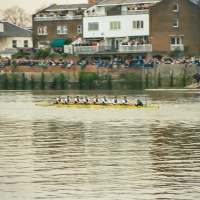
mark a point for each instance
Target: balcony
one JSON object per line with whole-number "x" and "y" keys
{"x": 106, "y": 49}
{"x": 113, "y": 13}
{"x": 86, "y": 49}
{"x": 177, "y": 47}
{"x": 136, "y": 48}
{"x": 53, "y": 18}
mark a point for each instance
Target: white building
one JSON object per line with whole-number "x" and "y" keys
{"x": 120, "y": 25}
{"x": 13, "y": 37}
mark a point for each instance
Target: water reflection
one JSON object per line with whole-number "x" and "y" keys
{"x": 175, "y": 148}
{"x": 60, "y": 153}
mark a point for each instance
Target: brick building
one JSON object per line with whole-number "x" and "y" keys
{"x": 57, "y": 23}
{"x": 175, "y": 25}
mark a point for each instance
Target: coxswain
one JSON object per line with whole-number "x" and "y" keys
{"x": 68, "y": 100}
{"x": 139, "y": 103}
{"x": 58, "y": 100}
{"x": 77, "y": 100}
{"x": 126, "y": 101}
{"x": 105, "y": 101}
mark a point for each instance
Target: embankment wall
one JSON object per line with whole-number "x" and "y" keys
{"x": 92, "y": 77}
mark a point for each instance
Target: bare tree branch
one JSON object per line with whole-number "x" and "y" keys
{"x": 17, "y": 16}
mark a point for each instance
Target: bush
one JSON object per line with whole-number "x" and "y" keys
{"x": 54, "y": 54}
{"x": 43, "y": 53}
{"x": 17, "y": 55}
{"x": 175, "y": 53}
{"x": 68, "y": 41}
{"x": 64, "y": 55}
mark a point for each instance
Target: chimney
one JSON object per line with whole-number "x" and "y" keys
{"x": 91, "y": 1}
{"x": 1, "y": 27}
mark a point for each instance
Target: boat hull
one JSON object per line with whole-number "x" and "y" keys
{"x": 96, "y": 106}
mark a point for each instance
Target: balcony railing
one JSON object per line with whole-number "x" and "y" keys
{"x": 86, "y": 49}
{"x": 136, "y": 12}
{"x": 107, "y": 49}
{"x": 136, "y": 48}
{"x": 112, "y": 13}
{"x": 175, "y": 47}
{"x": 52, "y": 18}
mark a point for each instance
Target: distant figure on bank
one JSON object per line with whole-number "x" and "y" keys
{"x": 197, "y": 77}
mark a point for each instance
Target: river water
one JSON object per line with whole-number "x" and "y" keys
{"x": 119, "y": 154}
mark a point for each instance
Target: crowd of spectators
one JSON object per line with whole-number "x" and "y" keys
{"x": 180, "y": 60}
{"x": 140, "y": 6}
{"x": 52, "y": 14}
{"x": 31, "y": 62}
{"x": 135, "y": 42}
{"x": 139, "y": 61}
{"x": 86, "y": 43}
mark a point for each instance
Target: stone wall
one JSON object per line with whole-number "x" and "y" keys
{"x": 161, "y": 76}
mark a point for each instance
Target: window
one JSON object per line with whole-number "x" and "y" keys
{"x": 93, "y": 26}
{"x": 176, "y": 40}
{"x": 43, "y": 44}
{"x": 175, "y": 23}
{"x": 79, "y": 29}
{"x": 42, "y": 30}
{"x": 115, "y": 25}
{"x": 61, "y": 29}
{"x": 176, "y": 7}
{"x": 14, "y": 43}
{"x": 25, "y": 43}
{"x": 138, "y": 24}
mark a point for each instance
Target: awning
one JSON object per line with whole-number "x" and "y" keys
{"x": 94, "y": 39}
{"x": 58, "y": 42}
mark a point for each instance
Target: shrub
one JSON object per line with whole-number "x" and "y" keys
{"x": 43, "y": 53}
{"x": 68, "y": 41}
{"x": 64, "y": 55}
{"x": 54, "y": 54}
{"x": 17, "y": 55}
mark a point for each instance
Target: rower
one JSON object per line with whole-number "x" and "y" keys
{"x": 68, "y": 100}
{"x": 77, "y": 100}
{"x": 115, "y": 100}
{"x": 96, "y": 100}
{"x": 126, "y": 101}
{"x": 105, "y": 101}
{"x": 139, "y": 103}
{"x": 58, "y": 99}
{"x": 86, "y": 100}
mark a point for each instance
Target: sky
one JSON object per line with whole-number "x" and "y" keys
{"x": 30, "y": 6}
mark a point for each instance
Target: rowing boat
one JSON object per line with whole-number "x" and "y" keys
{"x": 96, "y": 106}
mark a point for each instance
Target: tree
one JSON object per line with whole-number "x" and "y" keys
{"x": 17, "y": 16}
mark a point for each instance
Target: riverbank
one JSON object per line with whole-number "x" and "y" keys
{"x": 93, "y": 77}
{"x": 60, "y": 69}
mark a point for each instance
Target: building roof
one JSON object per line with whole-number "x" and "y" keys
{"x": 196, "y": 2}
{"x": 56, "y": 7}
{"x": 12, "y": 30}
{"x": 124, "y": 2}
